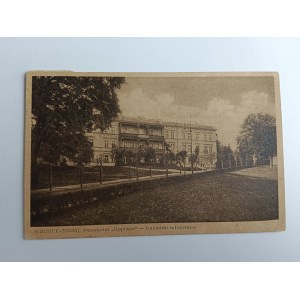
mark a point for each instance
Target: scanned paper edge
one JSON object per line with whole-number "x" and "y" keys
{"x": 201, "y": 227}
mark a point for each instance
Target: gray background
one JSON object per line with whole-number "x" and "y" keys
{"x": 145, "y": 55}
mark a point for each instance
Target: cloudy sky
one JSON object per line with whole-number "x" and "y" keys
{"x": 215, "y": 101}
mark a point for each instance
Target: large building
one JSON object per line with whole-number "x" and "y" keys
{"x": 136, "y": 134}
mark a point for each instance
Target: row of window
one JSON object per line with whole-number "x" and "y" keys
{"x": 187, "y": 147}
{"x": 141, "y": 131}
{"x": 170, "y": 134}
{"x": 131, "y": 144}
{"x": 107, "y": 144}
{"x": 187, "y": 135}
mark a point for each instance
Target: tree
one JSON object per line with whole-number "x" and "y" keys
{"x": 258, "y": 137}
{"x": 235, "y": 157}
{"x": 220, "y": 156}
{"x": 149, "y": 155}
{"x": 118, "y": 154}
{"x": 170, "y": 157}
{"x": 64, "y": 109}
{"x": 195, "y": 156}
{"x": 227, "y": 155}
{"x": 181, "y": 157}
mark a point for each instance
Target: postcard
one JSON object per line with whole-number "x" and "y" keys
{"x": 127, "y": 154}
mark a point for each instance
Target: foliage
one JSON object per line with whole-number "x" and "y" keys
{"x": 181, "y": 156}
{"x": 64, "y": 109}
{"x": 195, "y": 156}
{"x": 171, "y": 157}
{"x": 258, "y": 137}
{"x": 149, "y": 155}
{"x": 118, "y": 154}
{"x": 224, "y": 156}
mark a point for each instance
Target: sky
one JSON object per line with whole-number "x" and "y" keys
{"x": 222, "y": 102}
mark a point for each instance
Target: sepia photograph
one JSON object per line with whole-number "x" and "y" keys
{"x": 120, "y": 154}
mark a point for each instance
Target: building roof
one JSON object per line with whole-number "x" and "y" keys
{"x": 163, "y": 123}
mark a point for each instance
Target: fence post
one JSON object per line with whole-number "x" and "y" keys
{"x": 50, "y": 176}
{"x": 167, "y": 168}
{"x": 129, "y": 171}
{"x": 81, "y": 176}
{"x": 137, "y": 166}
{"x": 100, "y": 172}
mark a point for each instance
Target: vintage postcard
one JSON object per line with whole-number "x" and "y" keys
{"x": 125, "y": 154}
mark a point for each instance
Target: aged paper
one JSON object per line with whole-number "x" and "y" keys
{"x": 125, "y": 154}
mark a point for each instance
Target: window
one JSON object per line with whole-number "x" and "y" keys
{"x": 150, "y": 131}
{"x": 197, "y": 137}
{"x": 126, "y": 144}
{"x": 113, "y": 144}
{"x": 172, "y": 135}
{"x": 209, "y": 137}
{"x": 205, "y": 137}
{"x": 205, "y": 148}
{"x": 113, "y": 130}
{"x": 183, "y": 135}
{"x": 106, "y": 158}
{"x": 167, "y": 134}
{"x": 189, "y": 148}
{"x": 189, "y": 136}
{"x": 184, "y": 147}
{"x": 210, "y": 149}
{"x": 106, "y": 143}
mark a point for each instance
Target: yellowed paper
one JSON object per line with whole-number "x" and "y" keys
{"x": 125, "y": 154}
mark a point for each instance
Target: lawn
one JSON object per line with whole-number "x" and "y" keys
{"x": 62, "y": 176}
{"x": 223, "y": 197}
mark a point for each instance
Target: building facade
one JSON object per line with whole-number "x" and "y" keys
{"x": 103, "y": 142}
{"x": 135, "y": 135}
{"x": 138, "y": 134}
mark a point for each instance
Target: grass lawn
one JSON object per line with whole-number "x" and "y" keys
{"x": 223, "y": 197}
{"x": 62, "y": 176}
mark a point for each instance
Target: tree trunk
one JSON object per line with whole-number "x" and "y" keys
{"x": 35, "y": 179}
